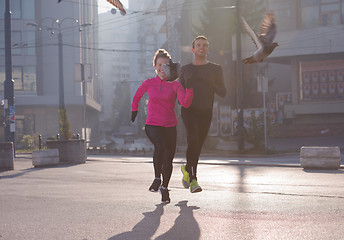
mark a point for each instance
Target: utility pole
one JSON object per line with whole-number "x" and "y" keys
{"x": 9, "y": 83}
{"x": 240, "y": 114}
{"x": 61, "y": 83}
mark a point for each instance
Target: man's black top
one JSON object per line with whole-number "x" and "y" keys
{"x": 206, "y": 80}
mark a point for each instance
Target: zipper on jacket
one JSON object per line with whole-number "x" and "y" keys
{"x": 160, "y": 84}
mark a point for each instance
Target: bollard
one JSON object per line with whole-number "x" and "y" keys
{"x": 47, "y": 157}
{"x": 313, "y": 157}
{"x": 58, "y": 136}
{"x": 39, "y": 141}
{"x": 78, "y": 136}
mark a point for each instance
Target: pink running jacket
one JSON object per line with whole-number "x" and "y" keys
{"x": 162, "y": 100}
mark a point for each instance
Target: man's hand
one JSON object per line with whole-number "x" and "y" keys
{"x": 133, "y": 115}
{"x": 188, "y": 79}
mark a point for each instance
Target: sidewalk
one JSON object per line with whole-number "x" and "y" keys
{"x": 294, "y": 144}
{"x": 278, "y": 160}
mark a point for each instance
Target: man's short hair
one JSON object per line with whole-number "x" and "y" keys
{"x": 199, "y": 37}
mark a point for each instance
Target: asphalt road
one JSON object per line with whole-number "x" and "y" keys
{"x": 108, "y": 198}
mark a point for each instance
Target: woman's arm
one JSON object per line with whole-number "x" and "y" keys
{"x": 138, "y": 95}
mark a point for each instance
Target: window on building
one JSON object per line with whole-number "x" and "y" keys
{"x": 29, "y": 43}
{"x": 2, "y": 9}
{"x": 16, "y": 43}
{"x": 16, "y": 9}
{"x": 321, "y": 12}
{"x": 2, "y": 43}
{"x": 330, "y": 12}
{"x": 2, "y": 77}
{"x": 281, "y": 9}
{"x": 29, "y": 78}
{"x": 342, "y": 12}
{"x": 28, "y": 9}
{"x": 310, "y": 13}
{"x": 17, "y": 74}
{"x": 24, "y": 78}
{"x": 20, "y": 9}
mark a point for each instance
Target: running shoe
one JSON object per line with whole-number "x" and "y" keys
{"x": 155, "y": 185}
{"x": 194, "y": 187}
{"x": 165, "y": 196}
{"x": 186, "y": 177}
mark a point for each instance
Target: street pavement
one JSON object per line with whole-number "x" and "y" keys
{"x": 107, "y": 198}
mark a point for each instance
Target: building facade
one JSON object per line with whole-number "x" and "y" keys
{"x": 36, "y": 26}
{"x": 307, "y": 91}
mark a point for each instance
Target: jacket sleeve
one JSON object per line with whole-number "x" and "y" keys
{"x": 181, "y": 76}
{"x": 184, "y": 96}
{"x": 219, "y": 87}
{"x": 138, "y": 95}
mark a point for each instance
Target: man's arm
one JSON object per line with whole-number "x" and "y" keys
{"x": 219, "y": 87}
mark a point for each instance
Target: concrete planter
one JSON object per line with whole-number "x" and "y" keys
{"x": 320, "y": 157}
{"x": 49, "y": 157}
{"x": 6, "y": 156}
{"x": 70, "y": 151}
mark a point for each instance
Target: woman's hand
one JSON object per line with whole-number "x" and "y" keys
{"x": 133, "y": 115}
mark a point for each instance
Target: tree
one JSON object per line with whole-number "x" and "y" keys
{"x": 254, "y": 132}
{"x": 64, "y": 124}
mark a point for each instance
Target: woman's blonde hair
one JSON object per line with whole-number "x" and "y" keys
{"x": 160, "y": 53}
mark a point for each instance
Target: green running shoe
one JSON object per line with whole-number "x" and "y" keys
{"x": 186, "y": 178}
{"x": 194, "y": 187}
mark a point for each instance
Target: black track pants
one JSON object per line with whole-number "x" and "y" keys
{"x": 164, "y": 140}
{"x": 197, "y": 125}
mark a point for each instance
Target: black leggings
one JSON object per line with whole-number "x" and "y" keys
{"x": 164, "y": 140}
{"x": 197, "y": 124}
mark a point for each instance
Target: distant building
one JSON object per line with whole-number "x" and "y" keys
{"x": 35, "y": 61}
{"x": 307, "y": 69}
{"x": 115, "y": 45}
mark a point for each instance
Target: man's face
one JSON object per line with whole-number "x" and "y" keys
{"x": 200, "y": 47}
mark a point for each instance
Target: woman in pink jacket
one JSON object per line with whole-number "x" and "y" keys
{"x": 161, "y": 119}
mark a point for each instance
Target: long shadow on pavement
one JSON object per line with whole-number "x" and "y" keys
{"x": 144, "y": 229}
{"x": 185, "y": 226}
{"x": 33, "y": 169}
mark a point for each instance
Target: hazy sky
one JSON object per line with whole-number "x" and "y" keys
{"x": 104, "y": 6}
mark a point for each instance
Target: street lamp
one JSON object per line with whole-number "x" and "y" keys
{"x": 56, "y": 24}
{"x": 60, "y": 52}
{"x": 83, "y": 79}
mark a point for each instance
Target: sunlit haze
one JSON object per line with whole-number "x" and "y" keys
{"x": 104, "y": 6}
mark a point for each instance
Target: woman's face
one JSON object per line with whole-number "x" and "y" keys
{"x": 158, "y": 67}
